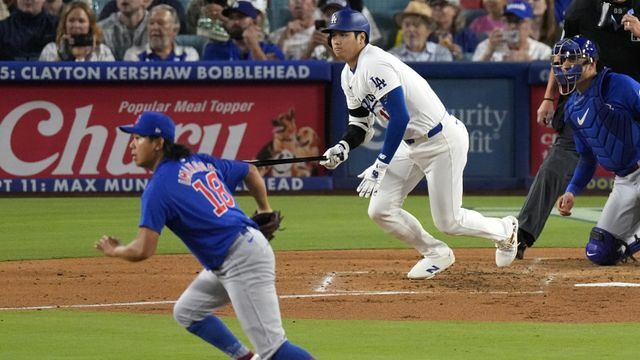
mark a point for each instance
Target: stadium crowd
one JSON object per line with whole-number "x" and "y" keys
{"x": 191, "y": 30}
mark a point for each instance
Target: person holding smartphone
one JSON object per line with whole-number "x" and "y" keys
{"x": 246, "y": 37}
{"x": 513, "y": 43}
{"x": 318, "y": 47}
{"x": 79, "y": 38}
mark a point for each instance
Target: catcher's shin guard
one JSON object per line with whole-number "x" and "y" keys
{"x": 604, "y": 248}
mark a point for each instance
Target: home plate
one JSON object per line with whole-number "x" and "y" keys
{"x": 610, "y": 284}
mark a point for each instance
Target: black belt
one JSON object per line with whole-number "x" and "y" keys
{"x": 433, "y": 132}
{"x": 629, "y": 171}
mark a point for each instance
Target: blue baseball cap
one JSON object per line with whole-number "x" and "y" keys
{"x": 243, "y": 7}
{"x": 152, "y": 124}
{"x": 519, "y": 8}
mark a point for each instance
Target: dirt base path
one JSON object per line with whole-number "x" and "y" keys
{"x": 555, "y": 285}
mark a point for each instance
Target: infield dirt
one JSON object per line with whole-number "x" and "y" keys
{"x": 550, "y": 285}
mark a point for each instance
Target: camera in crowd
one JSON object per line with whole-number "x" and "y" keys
{"x": 511, "y": 36}
{"x": 81, "y": 40}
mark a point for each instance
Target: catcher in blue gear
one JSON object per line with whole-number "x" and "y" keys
{"x": 604, "y": 111}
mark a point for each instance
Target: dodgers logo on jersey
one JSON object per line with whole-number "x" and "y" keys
{"x": 378, "y": 83}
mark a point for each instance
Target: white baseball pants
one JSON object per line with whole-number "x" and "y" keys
{"x": 441, "y": 159}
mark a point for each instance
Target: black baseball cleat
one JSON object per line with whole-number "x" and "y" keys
{"x": 522, "y": 246}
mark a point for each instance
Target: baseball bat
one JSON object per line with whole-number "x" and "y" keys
{"x": 270, "y": 162}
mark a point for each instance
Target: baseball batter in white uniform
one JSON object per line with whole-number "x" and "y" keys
{"x": 421, "y": 140}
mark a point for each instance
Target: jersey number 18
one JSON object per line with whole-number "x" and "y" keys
{"x": 215, "y": 192}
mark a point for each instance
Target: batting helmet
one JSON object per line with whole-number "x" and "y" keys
{"x": 348, "y": 19}
{"x": 575, "y": 51}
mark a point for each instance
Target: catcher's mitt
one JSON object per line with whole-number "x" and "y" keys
{"x": 268, "y": 223}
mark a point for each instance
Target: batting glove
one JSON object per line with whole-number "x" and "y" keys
{"x": 336, "y": 155}
{"x": 371, "y": 179}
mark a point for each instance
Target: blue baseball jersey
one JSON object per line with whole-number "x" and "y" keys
{"x": 605, "y": 119}
{"x": 193, "y": 197}
{"x": 228, "y": 50}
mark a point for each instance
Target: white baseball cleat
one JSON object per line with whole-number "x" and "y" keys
{"x": 507, "y": 249}
{"x": 428, "y": 267}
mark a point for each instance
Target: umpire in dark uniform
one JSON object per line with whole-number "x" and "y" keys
{"x": 613, "y": 25}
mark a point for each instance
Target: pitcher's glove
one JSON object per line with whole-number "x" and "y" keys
{"x": 268, "y": 223}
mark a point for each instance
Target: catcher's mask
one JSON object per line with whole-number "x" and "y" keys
{"x": 567, "y": 59}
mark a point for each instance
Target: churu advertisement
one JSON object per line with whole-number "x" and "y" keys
{"x": 65, "y": 138}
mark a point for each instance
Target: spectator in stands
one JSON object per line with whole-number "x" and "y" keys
{"x": 246, "y": 41}
{"x": 262, "y": 20}
{"x": 126, "y": 28}
{"x": 79, "y": 37}
{"x": 374, "y": 35}
{"x": 163, "y": 29}
{"x": 483, "y": 25}
{"x": 53, "y": 7}
{"x": 559, "y": 9}
{"x": 543, "y": 26}
{"x": 515, "y": 42}
{"x": 451, "y": 31}
{"x": 112, "y": 7}
{"x": 294, "y": 38}
{"x": 26, "y": 31}
{"x": 417, "y": 25}
{"x": 318, "y": 47}
{"x": 204, "y": 18}
{"x": 4, "y": 11}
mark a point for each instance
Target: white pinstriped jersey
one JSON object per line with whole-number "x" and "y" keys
{"x": 378, "y": 72}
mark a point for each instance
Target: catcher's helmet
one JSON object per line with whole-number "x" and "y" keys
{"x": 348, "y": 19}
{"x": 575, "y": 51}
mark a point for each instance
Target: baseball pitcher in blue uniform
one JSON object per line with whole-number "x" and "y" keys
{"x": 604, "y": 112}
{"x": 191, "y": 195}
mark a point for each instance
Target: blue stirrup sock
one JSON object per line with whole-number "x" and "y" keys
{"x": 215, "y": 332}
{"x": 288, "y": 351}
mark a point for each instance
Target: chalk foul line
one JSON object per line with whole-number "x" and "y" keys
{"x": 291, "y": 296}
{"x": 608, "y": 284}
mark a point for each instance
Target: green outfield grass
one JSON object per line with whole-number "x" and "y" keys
{"x": 38, "y": 228}
{"x": 67, "y": 227}
{"x": 116, "y": 336}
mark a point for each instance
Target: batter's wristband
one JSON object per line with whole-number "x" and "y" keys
{"x": 354, "y": 136}
{"x": 550, "y": 99}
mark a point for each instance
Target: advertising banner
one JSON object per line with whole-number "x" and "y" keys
{"x": 63, "y": 138}
{"x": 486, "y": 109}
{"x": 542, "y": 137}
{"x": 84, "y": 72}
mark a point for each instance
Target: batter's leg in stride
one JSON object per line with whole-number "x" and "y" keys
{"x": 422, "y": 140}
